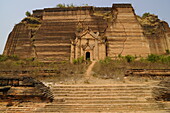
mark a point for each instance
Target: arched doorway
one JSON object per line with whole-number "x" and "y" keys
{"x": 87, "y": 55}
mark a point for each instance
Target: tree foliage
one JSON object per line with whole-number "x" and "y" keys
{"x": 145, "y": 15}
{"x": 85, "y": 4}
{"x": 27, "y": 13}
{"x": 64, "y": 5}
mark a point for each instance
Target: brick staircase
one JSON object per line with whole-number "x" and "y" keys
{"x": 123, "y": 98}
{"x": 115, "y": 98}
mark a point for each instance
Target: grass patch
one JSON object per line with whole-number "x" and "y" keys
{"x": 109, "y": 68}
{"x": 60, "y": 71}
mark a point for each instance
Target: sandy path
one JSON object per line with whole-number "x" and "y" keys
{"x": 89, "y": 70}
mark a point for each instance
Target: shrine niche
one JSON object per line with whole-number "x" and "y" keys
{"x": 89, "y": 45}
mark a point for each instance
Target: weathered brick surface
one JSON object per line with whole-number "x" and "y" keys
{"x": 51, "y": 41}
{"x": 24, "y": 88}
{"x": 19, "y": 42}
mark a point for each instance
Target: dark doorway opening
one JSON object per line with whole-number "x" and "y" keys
{"x": 87, "y": 55}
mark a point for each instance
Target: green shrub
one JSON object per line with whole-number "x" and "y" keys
{"x": 78, "y": 60}
{"x": 3, "y": 58}
{"x": 153, "y": 58}
{"x": 107, "y": 60}
{"x": 120, "y": 56}
{"x": 158, "y": 58}
{"x": 142, "y": 59}
{"x": 75, "y": 61}
{"x": 167, "y": 51}
{"x": 27, "y": 13}
{"x": 165, "y": 59}
{"x": 129, "y": 58}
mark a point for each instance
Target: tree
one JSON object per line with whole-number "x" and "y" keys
{"x": 61, "y": 6}
{"x": 28, "y": 14}
{"x": 64, "y": 5}
{"x": 145, "y": 15}
{"x": 85, "y": 5}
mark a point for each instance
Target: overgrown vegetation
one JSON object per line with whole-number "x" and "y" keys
{"x": 145, "y": 15}
{"x": 5, "y": 58}
{"x": 31, "y": 20}
{"x": 151, "y": 23}
{"x": 33, "y": 23}
{"x": 106, "y": 60}
{"x": 105, "y": 15}
{"x": 64, "y": 71}
{"x": 54, "y": 71}
{"x": 109, "y": 68}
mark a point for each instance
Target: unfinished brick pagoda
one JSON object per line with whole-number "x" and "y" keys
{"x": 92, "y": 32}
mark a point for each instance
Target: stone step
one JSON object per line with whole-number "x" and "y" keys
{"x": 105, "y": 85}
{"x": 99, "y": 102}
{"x": 56, "y": 31}
{"x": 104, "y": 99}
{"x": 98, "y": 98}
{"x": 100, "y": 89}
{"x": 58, "y": 34}
{"x": 103, "y": 95}
{"x": 102, "y": 107}
{"x": 17, "y": 110}
{"x": 102, "y": 111}
{"x": 101, "y": 92}
{"x": 85, "y": 109}
{"x": 151, "y": 111}
{"x": 25, "y": 107}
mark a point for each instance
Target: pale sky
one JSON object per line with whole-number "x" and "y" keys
{"x": 13, "y": 11}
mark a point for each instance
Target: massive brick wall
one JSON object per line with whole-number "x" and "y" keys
{"x": 167, "y": 34}
{"x": 19, "y": 42}
{"x": 160, "y": 42}
{"x": 51, "y": 41}
{"x": 125, "y": 35}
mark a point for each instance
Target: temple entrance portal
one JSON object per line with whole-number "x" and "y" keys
{"x": 88, "y": 44}
{"x": 87, "y": 55}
